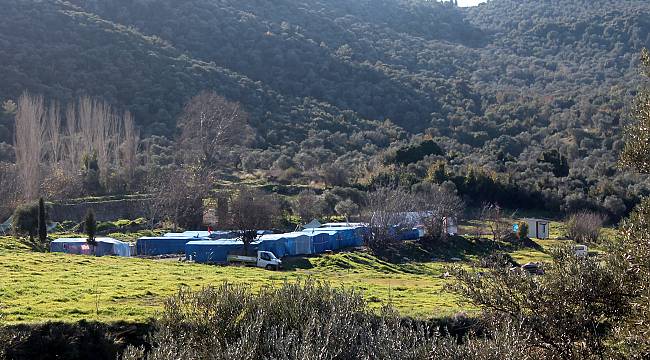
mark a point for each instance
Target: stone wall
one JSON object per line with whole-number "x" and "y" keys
{"x": 104, "y": 210}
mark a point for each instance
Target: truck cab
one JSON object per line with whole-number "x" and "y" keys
{"x": 264, "y": 259}
{"x": 268, "y": 260}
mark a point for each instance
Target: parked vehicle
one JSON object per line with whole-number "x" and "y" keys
{"x": 264, "y": 259}
{"x": 581, "y": 250}
{"x": 533, "y": 268}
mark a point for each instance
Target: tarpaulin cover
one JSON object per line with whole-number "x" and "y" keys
{"x": 344, "y": 236}
{"x": 79, "y": 246}
{"x": 200, "y": 234}
{"x": 215, "y": 251}
{"x": 162, "y": 245}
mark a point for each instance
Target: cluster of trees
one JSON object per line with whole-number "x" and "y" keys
{"x": 53, "y": 147}
{"x": 533, "y": 92}
{"x": 581, "y": 308}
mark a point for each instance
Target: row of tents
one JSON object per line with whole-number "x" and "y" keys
{"x": 215, "y": 246}
{"x": 203, "y": 249}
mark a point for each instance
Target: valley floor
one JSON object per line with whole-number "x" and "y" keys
{"x": 37, "y": 287}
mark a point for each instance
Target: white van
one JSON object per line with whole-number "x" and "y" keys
{"x": 581, "y": 250}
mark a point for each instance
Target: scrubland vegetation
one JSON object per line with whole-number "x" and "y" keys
{"x": 251, "y": 116}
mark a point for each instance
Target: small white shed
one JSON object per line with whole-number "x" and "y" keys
{"x": 538, "y": 228}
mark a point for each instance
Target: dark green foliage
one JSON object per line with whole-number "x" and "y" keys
{"x": 338, "y": 82}
{"x": 636, "y": 153}
{"x": 416, "y": 152}
{"x": 573, "y": 311}
{"x": 42, "y": 222}
{"x": 25, "y": 220}
{"x": 90, "y": 227}
{"x": 522, "y": 230}
{"x": 559, "y": 162}
{"x": 72, "y": 341}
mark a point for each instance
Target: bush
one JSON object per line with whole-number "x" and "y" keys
{"x": 584, "y": 226}
{"x": 306, "y": 321}
{"x": 522, "y": 230}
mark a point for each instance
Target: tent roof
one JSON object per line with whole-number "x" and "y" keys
{"x": 282, "y": 236}
{"x": 83, "y": 240}
{"x": 343, "y": 224}
{"x": 319, "y": 231}
{"x": 219, "y": 242}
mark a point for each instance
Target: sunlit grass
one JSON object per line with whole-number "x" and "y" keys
{"x": 36, "y": 287}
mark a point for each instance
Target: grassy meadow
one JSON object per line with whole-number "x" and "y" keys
{"x": 37, "y": 287}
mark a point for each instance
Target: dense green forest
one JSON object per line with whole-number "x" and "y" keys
{"x": 525, "y": 101}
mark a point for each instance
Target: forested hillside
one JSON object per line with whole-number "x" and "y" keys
{"x": 526, "y": 99}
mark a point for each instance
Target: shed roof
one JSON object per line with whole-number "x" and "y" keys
{"x": 83, "y": 240}
{"x": 219, "y": 242}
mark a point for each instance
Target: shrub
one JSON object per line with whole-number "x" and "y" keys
{"x": 522, "y": 230}
{"x": 584, "y": 226}
{"x": 90, "y": 227}
{"x": 306, "y": 321}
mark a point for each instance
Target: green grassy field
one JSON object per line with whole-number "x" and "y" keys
{"x": 36, "y": 287}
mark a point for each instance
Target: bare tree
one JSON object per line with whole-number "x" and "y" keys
{"x": 53, "y": 132}
{"x": 584, "y": 226}
{"x": 44, "y": 146}
{"x": 72, "y": 146}
{"x": 492, "y": 216}
{"x": 389, "y": 211}
{"x": 28, "y": 143}
{"x": 210, "y": 124}
{"x": 130, "y": 147}
{"x": 249, "y": 210}
{"x": 177, "y": 195}
{"x": 439, "y": 206}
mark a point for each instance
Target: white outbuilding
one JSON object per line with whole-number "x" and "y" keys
{"x": 538, "y": 228}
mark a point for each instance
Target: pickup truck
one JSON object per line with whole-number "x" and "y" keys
{"x": 265, "y": 259}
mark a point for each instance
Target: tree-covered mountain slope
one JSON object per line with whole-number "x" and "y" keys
{"x": 507, "y": 86}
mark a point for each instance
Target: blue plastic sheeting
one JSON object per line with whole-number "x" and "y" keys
{"x": 200, "y": 234}
{"x": 322, "y": 240}
{"x": 288, "y": 244}
{"x": 342, "y": 237}
{"x": 412, "y": 234}
{"x": 343, "y": 224}
{"x": 164, "y": 245}
{"x": 214, "y": 251}
{"x": 79, "y": 246}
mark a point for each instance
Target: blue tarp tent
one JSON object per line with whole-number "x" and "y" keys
{"x": 344, "y": 237}
{"x": 200, "y": 234}
{"x": 275, "y": 243}
{"x": 162, "y": 245}
{"x": 79, "y": 246}
{"x": 321, "y": 241}
{"x": 412, "y": 234}
{"x": 298, "y": 243}
{"x": 214, "y": 251}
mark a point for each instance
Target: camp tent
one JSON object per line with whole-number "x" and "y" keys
{"x": 321, "y": 241}
{"x": 162, "y": 245}
{"x": 287, "y": 244}
{"x": 214, "y": 251}
{"x": 200, "y": 234}
{"x": 79, "y": 246}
